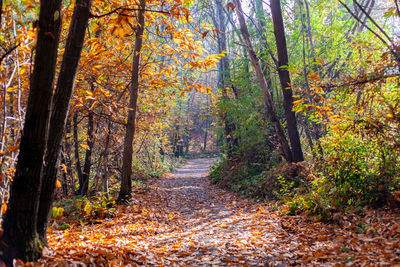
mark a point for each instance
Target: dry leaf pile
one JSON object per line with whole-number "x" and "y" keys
{"x": 184, "y": 220}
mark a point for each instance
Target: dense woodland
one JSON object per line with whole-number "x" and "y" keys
{"x": 298, "y": 99}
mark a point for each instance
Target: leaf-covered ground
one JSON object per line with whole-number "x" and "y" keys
{"x": 184, "y": 220}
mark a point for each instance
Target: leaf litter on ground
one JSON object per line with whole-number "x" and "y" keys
{"x": 184, "y": 220}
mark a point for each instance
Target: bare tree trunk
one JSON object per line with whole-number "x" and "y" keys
{"x": 126, "y": 184}
{"x": 76, "y": 149}
{"x": 60, "y": 108}
{"x": 20, "y": 239}
{"x": 105, "y": 160}
{"x": 284, "y": 78}
{"x": 264, "y": 86}
{"x": 265, "y": 49}
{"x": 223, "y": 75}
{"x": 84, "y": 186}
{"x": 64, "y": 176}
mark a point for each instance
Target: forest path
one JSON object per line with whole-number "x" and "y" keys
{"x": 215, "y": 227}
{"x": 182, "y": 219}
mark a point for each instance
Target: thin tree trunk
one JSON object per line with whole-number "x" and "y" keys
{"x": 265, "y": 49}
{"x": 64, "y": 175}
{"x": 284, "y": 78}
{"x": 84, "y": 186}
{"x": 264, "y": 86}
{"x": 1, "y": 11}
{"x": 76, "y": 149}
{"x": 105, "y": 160}
{"x": 126, "y": 185}
{"x": 61, "y": 100}
{"x": 20, "y": 239}
{"x": 224, "y": 76}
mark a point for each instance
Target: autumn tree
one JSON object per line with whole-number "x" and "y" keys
{"x": 60, "y": 107}
{"x": 126, "y": 185}
{"x": 284, "y": 77}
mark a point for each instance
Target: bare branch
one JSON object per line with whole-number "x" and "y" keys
{"x": 8, "y": 52}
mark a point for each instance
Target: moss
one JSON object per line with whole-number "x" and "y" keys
{"x": 32, "y": 249}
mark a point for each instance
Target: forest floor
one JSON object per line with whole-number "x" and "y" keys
{"x": 184, "y": 220}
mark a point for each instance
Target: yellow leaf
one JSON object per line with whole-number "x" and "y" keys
{"x": 60, "y": 212}
{"x": 64, "y": 167}
{"x": 58, "y": 184}
{"x": 87, "y": 208}
{"x": 84, "y": 146}
{"x": 54, "y": 212}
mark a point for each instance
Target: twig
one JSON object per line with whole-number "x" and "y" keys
{"x": 7, "y": 53}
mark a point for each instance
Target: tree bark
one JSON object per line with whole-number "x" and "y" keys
{"x": 84, "y": 186}
{"x": 20, "y": 239}
{"x": 64, "y": 181}
{"x": 105, "y": 159}
{"x": 284, "y": 78}
{"x": 76, "y": 149}
{"x": 126, "y": 184}
{"x": 264, "y": 86}
{"x": 61, "y": 100}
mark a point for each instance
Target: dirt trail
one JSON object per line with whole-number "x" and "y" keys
{"x": 183, "y": 220}
{"x": 213, "y": 225}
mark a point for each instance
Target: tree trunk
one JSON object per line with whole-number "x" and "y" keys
{"x": 126, "y": 185}
{"x": 284, "y": 78}
{"x": 76, "y": 149}
{"x": 20, "y": 239}
{"x": 1, "y": 11}
{"x": 264, "y": 86}
{"x": 84, "y": 186}
{"x": 61, "y": 100}
{"x": 265, "y": 49}
{"x": 105, "y": 160}
{"x": 224, "y": 76}
{"x": 64, "y": 182}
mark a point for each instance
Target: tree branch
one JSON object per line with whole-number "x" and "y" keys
{"x": 363, "y": 23}
{"x": 8, "y": 52}
{"x": 126, "y": 9}
{"x": 372, "y": 20}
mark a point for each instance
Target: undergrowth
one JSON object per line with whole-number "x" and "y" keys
{"x": 97, "y": 206}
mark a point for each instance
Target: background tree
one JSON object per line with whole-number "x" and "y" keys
{"x": 284, "y": 78}
{"x": 126, "y": 185}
